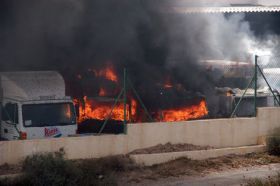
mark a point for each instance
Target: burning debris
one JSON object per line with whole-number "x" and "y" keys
{"x": 186, "y": 113}
{"x": 107, "y": 73}
{"x": 100, "y": 107}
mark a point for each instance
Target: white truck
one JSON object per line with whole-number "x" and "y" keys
{"x": 34, "y": 105}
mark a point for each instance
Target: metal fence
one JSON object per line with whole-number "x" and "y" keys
{"x": 270, "y": 67}
{"x": 264, "y": 86}
{"x": 242, "y": 87}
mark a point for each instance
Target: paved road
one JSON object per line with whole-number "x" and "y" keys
{"x": 228, "y": 178}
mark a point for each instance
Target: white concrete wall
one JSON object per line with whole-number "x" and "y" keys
{"x": 218, "y": 133}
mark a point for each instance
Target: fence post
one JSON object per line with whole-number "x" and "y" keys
{"x": 256, "y": 84}
{"x": 124, "y": 102}
{"x": 110, "y": 114}
{"x": 239, "y": 101}
{"x": 140, "y": 100}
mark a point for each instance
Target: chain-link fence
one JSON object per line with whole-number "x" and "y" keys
{"x": 270, "y": 67}
{"x": 268, "y": 73}
{"x": 263, "y": 88}
{"x": 234, "y": 89}
{"x": 231, "y": 79}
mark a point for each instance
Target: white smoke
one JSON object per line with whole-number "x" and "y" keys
{"x": 219, "y": 36}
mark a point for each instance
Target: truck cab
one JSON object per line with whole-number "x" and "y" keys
{"x": 34, "y": 105}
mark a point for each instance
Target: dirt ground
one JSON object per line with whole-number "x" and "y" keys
{"x": 128, "y": 173}
{"x": 187, "y": 167}
{"x": 248, "y": 176}
{"x": 9, "y": 169}
{"x": 168, "y": 147}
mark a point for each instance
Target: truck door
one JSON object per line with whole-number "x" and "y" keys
{"x": 9, "y": 122}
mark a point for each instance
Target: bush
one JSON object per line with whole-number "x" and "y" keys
{"x": 52, "y": 169}
{"x": 102, "y": 168}
{"x": 273, "y": 145}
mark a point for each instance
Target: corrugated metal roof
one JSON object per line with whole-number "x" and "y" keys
{"x": 190, "y": 10}
{"x": 221, "y": 3}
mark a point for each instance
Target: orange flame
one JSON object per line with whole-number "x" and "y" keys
{"x": 108, "y": 73}
{"x": 168, "y": 83}
{"x": 92, "y": 109}
{"x": 187, "y": 113}
{"x": 133, "y": 107}
{"x": 99, "y": 110}
{"x": 228, "y": 93}
{"x": 68, "y": 111}
{"x": 102, "y": 92}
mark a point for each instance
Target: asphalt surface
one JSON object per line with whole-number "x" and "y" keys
{"x": 228, "y": 178}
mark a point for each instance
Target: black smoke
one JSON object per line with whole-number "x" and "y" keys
{"x": 72, "y": 36}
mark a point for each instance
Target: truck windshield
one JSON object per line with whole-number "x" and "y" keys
{"x": 51, "y": 114}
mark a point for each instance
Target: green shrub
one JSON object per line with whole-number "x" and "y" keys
{"x": 46, "y": 169}
{"x": 273, "y": 145}
{"x": 50, "y": 169}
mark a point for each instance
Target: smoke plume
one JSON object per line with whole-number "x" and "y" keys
{"x": 72, "y": 36}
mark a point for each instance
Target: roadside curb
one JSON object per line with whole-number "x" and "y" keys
{"x": 158, "y": 158}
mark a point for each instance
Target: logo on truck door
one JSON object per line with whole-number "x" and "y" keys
{"x": 52, "y": 132}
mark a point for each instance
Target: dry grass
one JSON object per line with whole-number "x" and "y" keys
{"x": 52, "y": 169}
{"x": 47, "y": 169}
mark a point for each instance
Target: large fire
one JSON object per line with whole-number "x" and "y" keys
{"x": 100, "y": 109}
{"x": 186, "y": 113}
